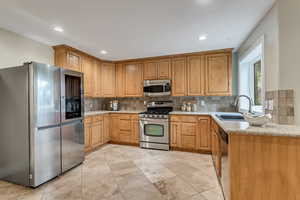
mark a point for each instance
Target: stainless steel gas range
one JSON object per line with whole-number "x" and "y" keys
{"x": 154, "y": 125}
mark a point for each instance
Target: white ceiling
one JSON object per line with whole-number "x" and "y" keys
{"x": 135, "y": 28}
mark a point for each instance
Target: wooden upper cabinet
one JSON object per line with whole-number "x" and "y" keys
{"x": 108, "y": 75}
{"x": 88, "y": 70}
{"x": 179, "y": 77}
{"x": 119, "y": 80}
{"x": 196, "y": 76}
{"x": 150, "y": 70}
{"x": 73, "y": 61}
{"x": 133, "y": 80}
{"x": 218, "y": 75}
{"x": 164, "y": 69}
{"x": 157, "y": 69}
{"x": 67, "y": 58}
{"x": 97, "y": 79}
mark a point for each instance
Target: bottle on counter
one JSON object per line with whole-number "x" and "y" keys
{"x": 183, "y": 107}
{"x": 189, "y": 107}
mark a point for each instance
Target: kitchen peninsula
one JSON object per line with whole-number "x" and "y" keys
{"x": 248, "y": 160}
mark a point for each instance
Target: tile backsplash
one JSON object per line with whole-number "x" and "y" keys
{"x": 204, "y": 104}
{"x": 280, "y": 104}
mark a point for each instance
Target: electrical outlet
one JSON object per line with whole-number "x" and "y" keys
{"x": 271, "y": 106}
{"x": 202, "y": 103}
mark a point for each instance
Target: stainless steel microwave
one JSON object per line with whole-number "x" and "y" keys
{"x": 156, "y": 88}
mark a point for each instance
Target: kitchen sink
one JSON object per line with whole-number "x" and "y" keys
{"x": 231, "y": 117}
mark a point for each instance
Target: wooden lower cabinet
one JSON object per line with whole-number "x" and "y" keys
{"x": 88, "y": 133}
{"x": 188, "y": 135}
{"x": 106, "y": 128}
{"x": 94, "y": 132}
{"x": 124, "y": 128}
{"x": 135, "y": 129}
{"x": 175, "y": 134}
{"x": 190, "y": 132}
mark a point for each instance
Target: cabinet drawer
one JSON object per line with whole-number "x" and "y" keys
{"x": 88, "y": 119}
{"x": 188, "y": 118}
{"x": 125, "y": 117}
{"x": 97, "y": 118}
{"x": 175, "y": 118}
{"x": 135, "y": 117}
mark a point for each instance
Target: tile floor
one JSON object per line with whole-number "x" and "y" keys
{"x": 117, "y": 172}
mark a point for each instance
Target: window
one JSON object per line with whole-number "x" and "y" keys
{"x": 251, "y": 78}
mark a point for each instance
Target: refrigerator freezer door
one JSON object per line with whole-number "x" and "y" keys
{"x": 72, "y": 144}
{"x": 47, "y": 155}
{"x": 45, "y": 135}
{"x": 46, "y": 85}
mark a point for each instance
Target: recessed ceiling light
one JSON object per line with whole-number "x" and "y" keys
{"x": 58, "y": 29}
{"x": 202, "y": 37}
{"x": 103, "y": 52}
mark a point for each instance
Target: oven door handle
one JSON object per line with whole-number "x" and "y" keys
{"x": 158, "y": 121}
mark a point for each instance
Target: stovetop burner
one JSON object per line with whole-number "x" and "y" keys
{"x": 158, "y": 109}
{"x": 157, "y": 112}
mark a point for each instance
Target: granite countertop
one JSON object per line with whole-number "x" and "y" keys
{"x": 108, "y": 111}
{"x": 242, "y": 127}
{"x": 230, "y": 127}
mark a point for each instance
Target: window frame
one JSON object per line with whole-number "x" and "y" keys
{"x": 245, "y": 61}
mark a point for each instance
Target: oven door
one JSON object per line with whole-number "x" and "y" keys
{"x": 154, "y": 130}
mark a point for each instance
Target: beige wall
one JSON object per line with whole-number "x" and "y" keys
{"x": 267, "y": 27}
{"x": 16, "y": 49}
{"x": 289, "y": 42}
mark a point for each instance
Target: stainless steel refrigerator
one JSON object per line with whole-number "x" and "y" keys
{"x": 41, "y": 123}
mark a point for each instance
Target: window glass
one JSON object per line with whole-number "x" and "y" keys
{"x": 154, "y": 130}
{"x": 257, "y": 83}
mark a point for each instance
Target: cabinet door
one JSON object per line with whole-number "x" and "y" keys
{"x": 218, "y": 74}
{"x": 179, "y": 77}
{"x": 188, "y": 135}
{"x": 119, "y": 81}
{"x": 108, "y": 75}
{"x": 88, "y": 70}
{"x": 195, "y": 75}
{"x": 175, "y": 134}
{"x": 87, "y": 136}
{"x": 135, "y": 137}
{"x": 96, "y": 134}
{"x": 204, "y": 139}
{"x": 164, "y": 69}
{"x": 150, "y": 70}
{"x": 97, "y": 75}
{"x": 106, "y": 128}
{"x": 114, "y": 129}
{"x": 133, "y": 80}
{"x": 125, "y": 136}
{"x": 73, "y": 61}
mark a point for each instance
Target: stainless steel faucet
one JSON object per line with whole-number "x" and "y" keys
{"x": 237, "y": 101}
